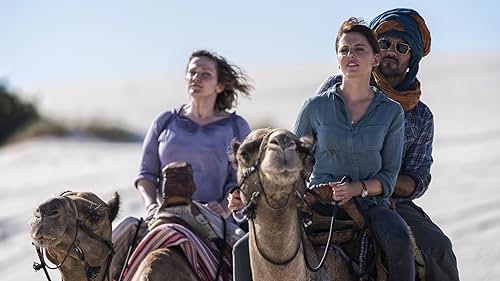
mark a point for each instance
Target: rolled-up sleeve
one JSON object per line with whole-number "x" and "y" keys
{"x": 150, "y": 165}
{"x": 392, "y": 155}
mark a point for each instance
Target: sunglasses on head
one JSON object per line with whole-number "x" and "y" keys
{"x": 401, "y": 48}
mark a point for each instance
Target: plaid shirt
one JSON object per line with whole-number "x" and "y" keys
{"x": 417, "y": 149}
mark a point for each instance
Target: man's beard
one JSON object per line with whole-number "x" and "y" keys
{"x": 390, "y": 69}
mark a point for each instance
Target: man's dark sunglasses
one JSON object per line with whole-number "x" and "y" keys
{"x": 401, "y": 48}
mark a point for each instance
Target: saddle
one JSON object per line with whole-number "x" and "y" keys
{"x": 351, "y": 238}
{"x": 178, "y": 207}
{"x": 178, "y": 184}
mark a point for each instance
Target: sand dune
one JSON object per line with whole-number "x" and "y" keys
{"x": 463, "y": 197}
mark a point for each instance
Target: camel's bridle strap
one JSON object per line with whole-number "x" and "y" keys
{"x": 248, "y": 172}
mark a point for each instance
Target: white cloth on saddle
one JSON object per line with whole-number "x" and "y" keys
{"x": 233, "y": 232}
{"x": 202, "y": 255}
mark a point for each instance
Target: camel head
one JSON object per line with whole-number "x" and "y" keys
{"x": 55, "y": 219}
{"x": 72, "y": 222}
{"x": 280, "y": 159}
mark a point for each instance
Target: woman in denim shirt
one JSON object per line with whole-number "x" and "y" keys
{"x": 359, "y": 133}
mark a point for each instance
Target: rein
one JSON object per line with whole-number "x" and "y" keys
{"x": 90, "y": 271}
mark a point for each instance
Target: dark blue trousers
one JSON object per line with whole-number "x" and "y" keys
{"x": 440, "y": 261}
{"x": 391, "y": 233}
{"x": 241, "y": 260}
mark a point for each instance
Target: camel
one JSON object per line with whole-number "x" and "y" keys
{"x": 276, "y": 251}
{"x": 272, "y": 166}
{"x": 74, "y": 231}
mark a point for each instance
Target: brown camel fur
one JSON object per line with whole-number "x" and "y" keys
{"x": 275, "y": 163}
{"x": 55, "y": 229}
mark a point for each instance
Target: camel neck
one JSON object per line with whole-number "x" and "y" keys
{"x": 277, "y": 238}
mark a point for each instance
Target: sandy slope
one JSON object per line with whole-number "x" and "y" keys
{"x": 463, "y": 198}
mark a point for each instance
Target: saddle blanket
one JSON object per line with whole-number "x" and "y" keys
{"x": 202, "y": 255}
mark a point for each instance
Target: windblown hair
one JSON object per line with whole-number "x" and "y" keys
{"x": 230, "y": 76}
{"x": 358, "y": 25}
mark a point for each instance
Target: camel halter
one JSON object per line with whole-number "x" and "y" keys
{"x": 91, "y": 272}
{"x": 249, "y": 212}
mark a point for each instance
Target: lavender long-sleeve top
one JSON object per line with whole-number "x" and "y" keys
{"x": 173, "y": 137}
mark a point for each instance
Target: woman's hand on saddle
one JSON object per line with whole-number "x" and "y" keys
{"x": 234, "y": 202}
{"x": 148, "y": 193}
{"x": 151, "y": 210}
{"x": 343, "y": 192}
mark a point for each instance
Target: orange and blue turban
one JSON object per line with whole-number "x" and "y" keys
{"x": 408, "y": 25}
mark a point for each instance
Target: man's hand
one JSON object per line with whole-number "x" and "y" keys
{"x": 405, "y": 186}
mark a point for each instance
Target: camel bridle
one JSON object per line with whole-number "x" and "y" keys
{"x": 91, "y": 272}
{"x": 253, "y": 170}
{"x": 250, "y": 209}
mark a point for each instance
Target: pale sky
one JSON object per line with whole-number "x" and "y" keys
{"x": 50, "y": 42}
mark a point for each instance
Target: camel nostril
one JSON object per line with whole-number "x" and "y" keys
{"x": 282, "y": 140}
{"x": 37, "y": 214}
{"x": 275, "y": 142}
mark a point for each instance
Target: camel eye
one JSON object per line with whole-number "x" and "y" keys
{"x": 245, "y": 156}
{"x": 53, "y": 213}
{"x": 94, "y": 215}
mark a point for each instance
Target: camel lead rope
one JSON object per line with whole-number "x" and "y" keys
{"x": 41, "y": 265}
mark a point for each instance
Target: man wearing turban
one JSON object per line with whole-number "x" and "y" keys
{"x": 404, "y": 40}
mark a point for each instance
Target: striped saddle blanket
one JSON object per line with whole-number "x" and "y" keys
{"x": 203, "y": 256}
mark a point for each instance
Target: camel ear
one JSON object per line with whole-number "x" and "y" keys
{"x": 307, "y": 143}
{"x": 235, "y": 145}
{"x": 307, "y": 148}
{"x": 114, "y": 206}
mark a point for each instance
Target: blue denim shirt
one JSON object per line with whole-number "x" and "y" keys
{"x": 371, "y": 148}
{"x": 417, "y": 148}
